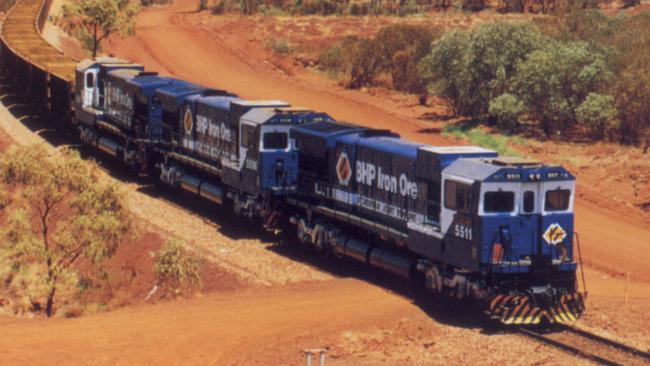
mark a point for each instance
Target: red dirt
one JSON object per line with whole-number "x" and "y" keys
{"x": 262, "y": 327}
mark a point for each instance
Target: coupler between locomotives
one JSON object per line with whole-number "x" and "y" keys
{"x": 533, "y": 308}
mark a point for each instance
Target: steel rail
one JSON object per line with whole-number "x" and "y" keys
{"x": 585, "y": 354}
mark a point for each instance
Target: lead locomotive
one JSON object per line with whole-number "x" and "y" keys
{"x": 471, "y": 223}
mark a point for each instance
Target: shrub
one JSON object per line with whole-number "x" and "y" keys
{"x": 280, "y": 46}
{"x": 632, "y": 92}
{"x": 473, "y": 67}
{"x": 363, "y": 62}
{"x": 175, "y": 269}
{"x": 400, "y": 49}
{"x": 597, "y": 113}
{"x": 505, "y": 109}
{"x": 444, "y": 69}
{"x": 554, "y": 81}
{"x": 332, "y": 59}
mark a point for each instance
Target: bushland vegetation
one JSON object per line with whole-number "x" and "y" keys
{"x": 395, "y": 7}
{"x": 394, "y": 54}
{"x": 92, "y": 21}
{"x": 582, "y": 75}
{"x": 57, "y": 218}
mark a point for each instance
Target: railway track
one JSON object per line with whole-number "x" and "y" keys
{"x": 589, "y": 346}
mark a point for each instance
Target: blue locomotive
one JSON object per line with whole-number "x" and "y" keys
{"x": 472, "y": 224}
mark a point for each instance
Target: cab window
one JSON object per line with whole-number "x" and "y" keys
{"x": 275, "y": 140}
{"x": 247, "y": 136}
{"x": 500, "y": 201}
{"x": 458, "y": 196}
{"x": 529, "y": 201}
{"x": 557, "y": 200}
{"x": 90, "y": 80}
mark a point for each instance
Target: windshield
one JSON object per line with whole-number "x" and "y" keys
{"x": 557, "y": 200}
{"x": 501, "y": 201}
{"x": 275, "y": 140}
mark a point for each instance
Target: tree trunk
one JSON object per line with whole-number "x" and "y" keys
{"x": 95, "y": 42}
{"x": 49, "y": 306}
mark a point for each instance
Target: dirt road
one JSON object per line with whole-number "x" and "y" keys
{"x": 167, "y": 41}
{"x": 207, "y": 331}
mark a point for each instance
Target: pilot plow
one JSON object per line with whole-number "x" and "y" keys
{"x": 525, "y": 309}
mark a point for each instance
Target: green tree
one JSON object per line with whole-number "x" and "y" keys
{"x": 175, "y": 268}
{"x": 364, "y": 62}
{"x": 445, "y": 71}
{"x": 632, "y": 92}
{"x": 473, "y": 67}
{"x": 400, "y": 48}
{"x": 98, "y": 19}
{"x": 505, "y": 110}
{"x": 554, "y": 81}
{"x": 597, "y": 114}
{"x": 61, "y": 213}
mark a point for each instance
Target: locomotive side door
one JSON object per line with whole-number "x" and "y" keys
{"x": 90, "y": 86}
{"x": 249, "y": 156}
{"x": 457, "y": 219}
{"x": 529, "y": 214}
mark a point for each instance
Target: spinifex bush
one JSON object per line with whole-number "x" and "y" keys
{"x": 176, "y": 270}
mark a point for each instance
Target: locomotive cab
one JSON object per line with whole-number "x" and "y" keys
{"x": 513, "y": 219}
{"x": 523, "y": 210}
{"x": 89, "y": 86}
{"x": 267, "y": 150}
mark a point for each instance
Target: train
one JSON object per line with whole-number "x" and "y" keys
{"x": 467, "y": 222}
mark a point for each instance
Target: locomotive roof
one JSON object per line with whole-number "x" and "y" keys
{"x": 214, "y": 101}
{"x": 324, "y": 129}
{"x": 328, "y": 131}
{"x": 150, "y": 81}
{"x": 263, "y": 103}
{"x": 282, "y": 115}
{"x": 474, "y": 169}
{"x": 390, "y": 144}
{"x": 85, "y": 64}
{"x": 489, "y": 169}
{"x": 180, "y": 88}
